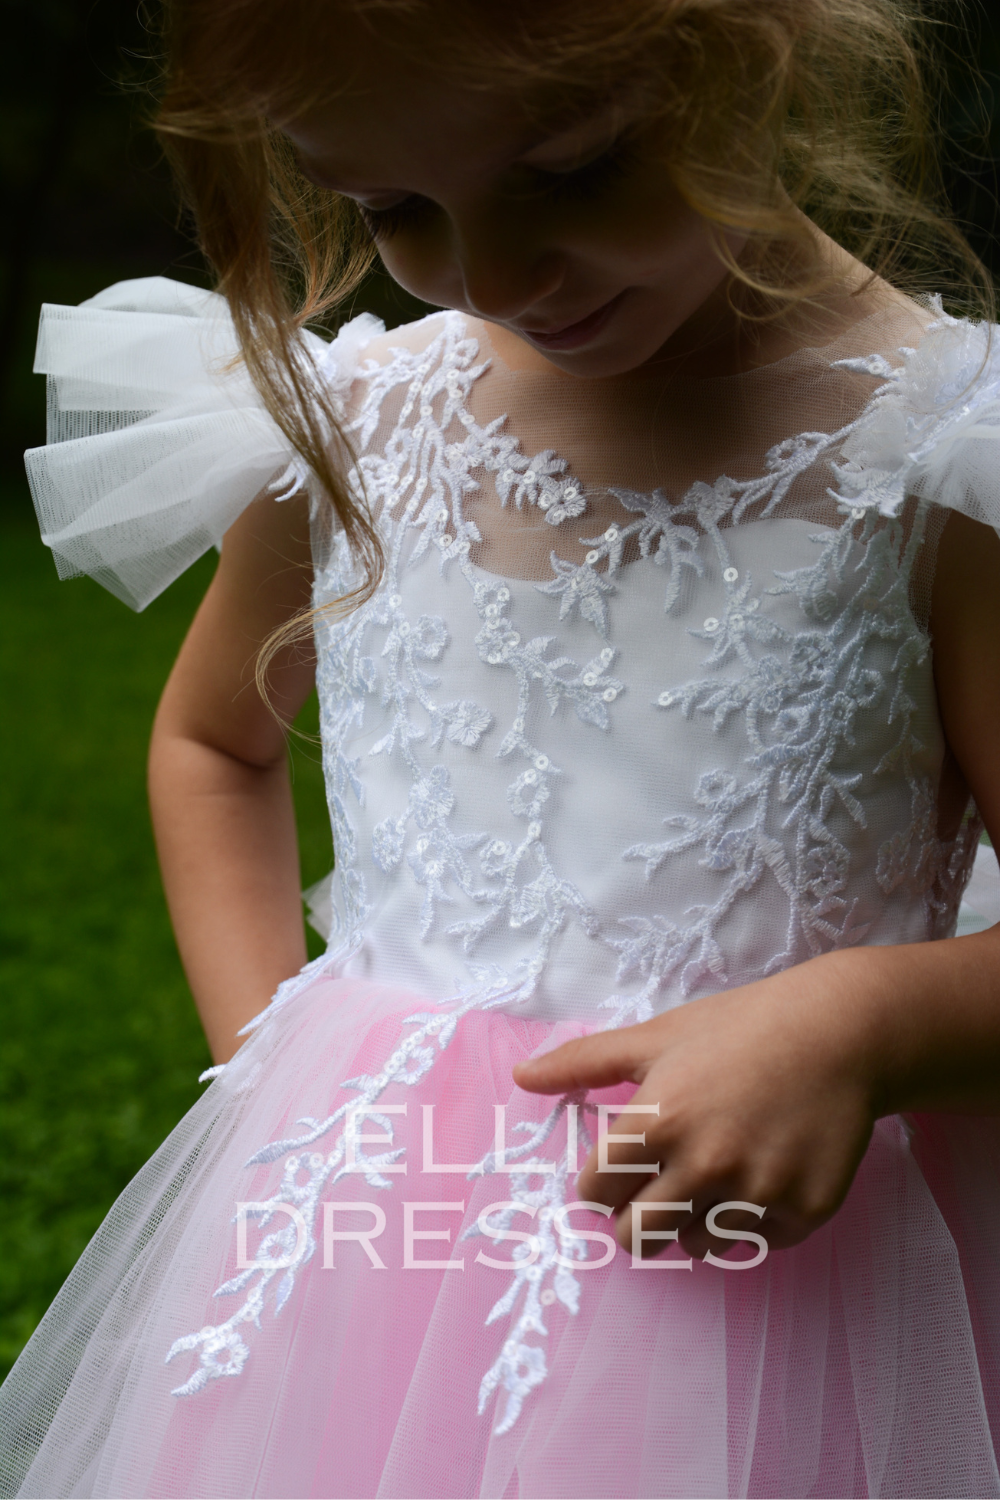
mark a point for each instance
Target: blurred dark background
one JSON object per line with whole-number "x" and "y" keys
{"x": 101, "y": 1046}
{"x": 86, "y": 198}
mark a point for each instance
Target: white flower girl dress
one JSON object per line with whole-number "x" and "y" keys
{"x": 642, "y": 709}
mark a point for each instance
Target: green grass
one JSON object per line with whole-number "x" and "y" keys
{"x": 101, "y": 1044}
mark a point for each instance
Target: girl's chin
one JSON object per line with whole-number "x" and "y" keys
{"x": 617, "y": 353}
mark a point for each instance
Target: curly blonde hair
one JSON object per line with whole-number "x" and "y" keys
{"x": 773, "y": 108}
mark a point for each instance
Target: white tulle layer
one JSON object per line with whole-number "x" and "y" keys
{"x": 157, "y": 439}
{"x": 863, "y": 1362}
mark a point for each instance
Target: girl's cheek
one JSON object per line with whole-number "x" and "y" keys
{"x": 671, "y": 240}
{"x": 642, "y": 247}
{"x": 423, "y": 266}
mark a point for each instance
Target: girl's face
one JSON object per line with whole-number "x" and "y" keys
{"x": 570, "y": 236}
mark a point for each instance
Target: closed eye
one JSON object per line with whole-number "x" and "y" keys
{"x": 385, "y": 222}
{"x": 579, "y": 181}
{"x": 591, "y": 176}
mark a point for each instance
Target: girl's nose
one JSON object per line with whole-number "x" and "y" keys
{"x": 506, "y": 268}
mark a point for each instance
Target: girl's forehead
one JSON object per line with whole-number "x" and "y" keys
{"x": 478, "y": 57}
{"x": 391, "y": 114}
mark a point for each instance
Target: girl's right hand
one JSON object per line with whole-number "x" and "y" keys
{"x": 762, "y": 1094}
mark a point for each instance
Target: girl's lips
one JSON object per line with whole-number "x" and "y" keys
{"x": 574, "y": 334}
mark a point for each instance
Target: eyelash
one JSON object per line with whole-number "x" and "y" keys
{"x": 385, "y": 222}
{"x": 581, "y": 183}
{"x": 594, "y": 176}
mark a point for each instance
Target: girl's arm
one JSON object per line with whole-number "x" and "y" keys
{"x": 218, "y": 777}
{"x": 768, "y": 1093}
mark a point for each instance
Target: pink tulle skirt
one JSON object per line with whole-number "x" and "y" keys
{"x": 863, "y": 1362}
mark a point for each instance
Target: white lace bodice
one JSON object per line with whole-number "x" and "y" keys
{"x": 595, "y": 746}
{"x": 638, "y": 781}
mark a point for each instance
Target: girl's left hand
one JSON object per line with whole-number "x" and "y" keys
{"x": 766, "y": 1095}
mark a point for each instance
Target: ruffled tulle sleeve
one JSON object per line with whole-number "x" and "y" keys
{"x": 933, "y": 429}
{"x": 157, "y": 438}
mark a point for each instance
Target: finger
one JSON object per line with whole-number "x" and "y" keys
{"x": 614, "y": 1191}
{"x": 622, "y": 1164}
{"x": 588, "y": 1062}
{"x": 670, "y": 1203}
{"x": 648, "y": 1227}
{"x": 697, "y": 1239}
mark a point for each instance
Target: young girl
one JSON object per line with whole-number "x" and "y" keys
{"x": 656, "y": 610}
